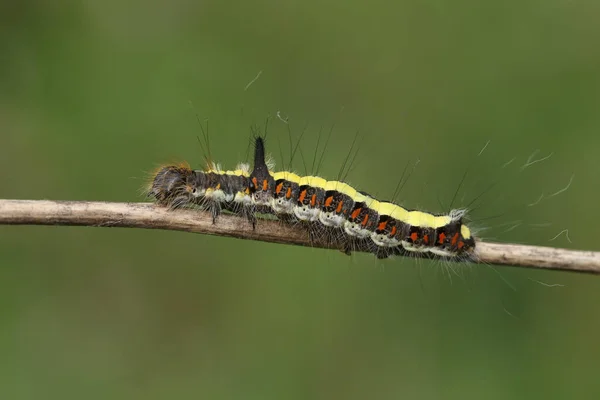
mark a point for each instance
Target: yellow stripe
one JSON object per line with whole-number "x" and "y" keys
{"x": 286, "y": 175}
{"x": 341, "y": 187}
{"x": 361, "y": 198}
{"x": 374, "y": 205}
{"x": 399, "y": 214}
{"x": 392, "y": 210}
{"x": 386, "y": 208}
{"x": 465, "y": 232}
{"x": 426, "y": 220}
{"x": 313, "y": 181}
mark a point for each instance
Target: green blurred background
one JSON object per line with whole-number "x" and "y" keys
{"x": 95, "y": 94}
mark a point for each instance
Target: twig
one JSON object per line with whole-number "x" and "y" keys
{"x": 150, "y": 216}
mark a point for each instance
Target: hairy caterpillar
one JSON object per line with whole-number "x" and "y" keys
{"x": 383, "y": 227}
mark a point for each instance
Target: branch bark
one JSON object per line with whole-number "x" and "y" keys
{"x": 150, "y": 216}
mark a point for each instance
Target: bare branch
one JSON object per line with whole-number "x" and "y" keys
{"x": 150, "y": 216}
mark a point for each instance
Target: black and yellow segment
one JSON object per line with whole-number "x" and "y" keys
{"x": 213, "y": 189}
{"x": 336, "y": 205}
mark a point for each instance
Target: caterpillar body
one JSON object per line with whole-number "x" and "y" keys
{"x": 213, "y": 189}
{"x": 350, "y": 215}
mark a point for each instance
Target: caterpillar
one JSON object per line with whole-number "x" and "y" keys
{"x": 352, "y": 217}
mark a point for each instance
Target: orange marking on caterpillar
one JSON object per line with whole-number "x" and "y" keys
{"x": 426, "y": 239}
{"x": 364, "y": 223}
{"x": 394, "y": 230}
{"x": 302, "y": 196}
{"x": 313, "y": 200}
{"x": 355, "y": 213}
{"x": 339, "y": 207}
{"x": 278, "y": 188}
{"x": 255, "y": 182}
{"x": 328, "y": 201}
{"x": 265, "y": 185}
{"x": 288, "y": 194}
{"x": 441, "y": 238}
{"x": 454, "y": 239}
{"x": 461, "y": 244}
{"x": 382, "y": 226}
{"x": 414, "y": 236}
